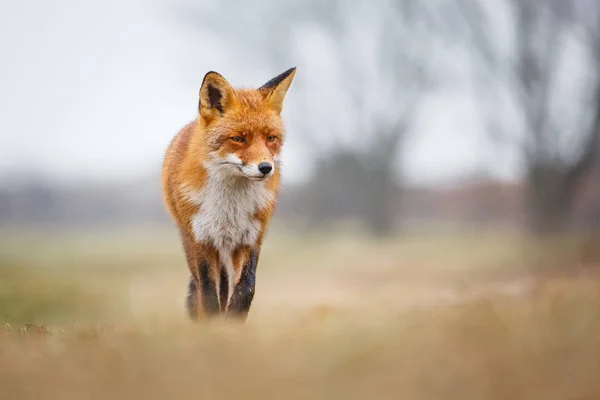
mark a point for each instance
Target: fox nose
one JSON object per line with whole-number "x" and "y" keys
{"x": 265, "y": 168}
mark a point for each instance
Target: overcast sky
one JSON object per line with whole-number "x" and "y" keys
{"x": 98, "y": 89}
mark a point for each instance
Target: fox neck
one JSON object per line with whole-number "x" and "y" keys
{"x": 226, "y": 208}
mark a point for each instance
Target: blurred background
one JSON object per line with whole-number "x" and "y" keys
{"x": 439, "y": 153}
{"x": 404, "y": 113}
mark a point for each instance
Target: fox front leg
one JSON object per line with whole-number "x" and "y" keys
{"x": 191, "y": 300}
{"x": 243, "y": 293}
{"x": 203, "y": 296}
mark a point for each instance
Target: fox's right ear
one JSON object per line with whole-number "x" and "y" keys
{"x": 216, "y": 96}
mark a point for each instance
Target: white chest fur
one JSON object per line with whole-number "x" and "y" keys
{"x": 225, "y": 217}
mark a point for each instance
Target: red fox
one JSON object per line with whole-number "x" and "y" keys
{"x": 220, "y": 181}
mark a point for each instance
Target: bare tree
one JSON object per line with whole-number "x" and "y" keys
{"x": 383, "y": 69}
{"x": 540, "y": 66}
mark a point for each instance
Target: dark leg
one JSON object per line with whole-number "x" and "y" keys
{"x": 223, "y": 289}
{"x": 208, "y": 290}
{"x": 191, "y": 301}
{"x": 244, "y": 290}
{"x": 202, "y": 298}
{"x": 207, "y": 294}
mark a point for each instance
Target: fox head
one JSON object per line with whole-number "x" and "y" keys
{"x": 243, "y": 129}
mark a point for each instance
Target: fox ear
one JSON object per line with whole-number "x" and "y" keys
{"x": 275, "y": 90}
{"x": 216, "y": 96}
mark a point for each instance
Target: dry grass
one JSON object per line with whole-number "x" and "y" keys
{"x": 334, "y": 317}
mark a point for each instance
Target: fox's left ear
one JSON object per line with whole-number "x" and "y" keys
{"x": 275, "y": 90}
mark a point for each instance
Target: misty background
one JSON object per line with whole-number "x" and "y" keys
{"x": 440, "y": 203}
{"x": 403, "y": 114}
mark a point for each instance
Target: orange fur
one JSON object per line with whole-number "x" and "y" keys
{"x": 196, "y": 166}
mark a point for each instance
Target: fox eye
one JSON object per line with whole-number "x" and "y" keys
{"x": 238, "y": 139}
{"x": 271, "y": 138}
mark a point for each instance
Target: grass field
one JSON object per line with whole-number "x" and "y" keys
{"x": 99, "y": 315}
